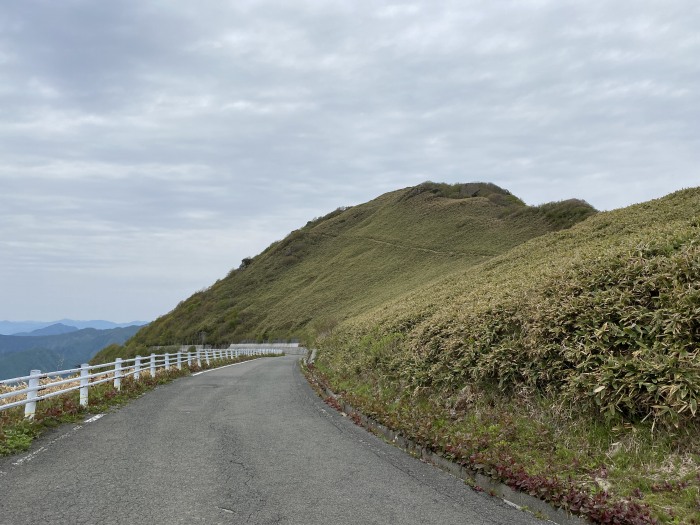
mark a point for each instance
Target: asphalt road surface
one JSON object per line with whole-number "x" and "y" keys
{"x": 250, "y": 443}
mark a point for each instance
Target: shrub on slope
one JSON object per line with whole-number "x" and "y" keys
{"x": 606, "y": 316}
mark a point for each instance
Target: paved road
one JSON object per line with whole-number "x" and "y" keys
{"x": 249, "y": 443}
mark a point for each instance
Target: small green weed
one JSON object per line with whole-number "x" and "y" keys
{"x": 17, "y": 438}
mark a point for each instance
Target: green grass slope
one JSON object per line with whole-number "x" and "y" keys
{"x": 354, "y": 259}
{"x": 573, "y": 354}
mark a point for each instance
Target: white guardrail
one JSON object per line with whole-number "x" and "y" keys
{"x": 91, "y": 375}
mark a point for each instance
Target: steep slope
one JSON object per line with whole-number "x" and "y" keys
{"x": 357, "y": 258}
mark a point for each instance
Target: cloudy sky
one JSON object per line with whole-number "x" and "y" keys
{"x": 147, "y": 146}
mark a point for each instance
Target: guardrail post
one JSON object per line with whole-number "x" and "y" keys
{"x": 84, "y": 384}
{"x": 30, "y": 407}
{"x": 153, "y": 365}
{"x": 189, "y": 359}
{"x": 118, "y": 374}
{"x": 179, "y": 360}
{"x": 199, "y": 359}
{"x": 206, "y": 356}
{"x": 137, "y": 367}
{"x": 167, "y": 361}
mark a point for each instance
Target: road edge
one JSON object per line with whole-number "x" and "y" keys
{"x": 476, "y": 480}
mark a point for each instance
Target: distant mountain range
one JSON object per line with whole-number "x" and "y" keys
{"x": 56, "y": 347}
{"x": 27, "y": 327}
{"x": 54, "y": 329}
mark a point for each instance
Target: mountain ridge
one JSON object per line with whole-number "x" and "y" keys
{"x": 28, "y": 326}
{"x": 354, "y": 258}
{"x": 54, "y": 329}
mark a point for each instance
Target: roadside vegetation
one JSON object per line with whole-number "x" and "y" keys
{"x": 568, "y": 367}
{"x": 17, "y": 433}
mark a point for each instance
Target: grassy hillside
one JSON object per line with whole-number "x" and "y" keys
{"x": 357, "y": 258}
{"x": 572, "y": 356}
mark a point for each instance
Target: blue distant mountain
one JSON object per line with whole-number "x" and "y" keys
{"x": 54, "y": 329}
{"x": 21, "y": 353}
{"x": 26, "y": 327}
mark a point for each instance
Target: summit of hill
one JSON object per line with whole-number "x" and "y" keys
{"x": 356, "y": 258}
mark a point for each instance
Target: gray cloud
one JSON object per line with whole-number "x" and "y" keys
{"x": 147, "y": 146}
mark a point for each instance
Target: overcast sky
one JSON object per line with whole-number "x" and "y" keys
{"x": 147, "y": 146}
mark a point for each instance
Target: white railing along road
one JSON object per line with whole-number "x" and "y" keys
{"x": 91, "y": 375}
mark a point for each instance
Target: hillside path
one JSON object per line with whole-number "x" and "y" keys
{"x": 403, "y": 246}
{"x": 250, "y": 443}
